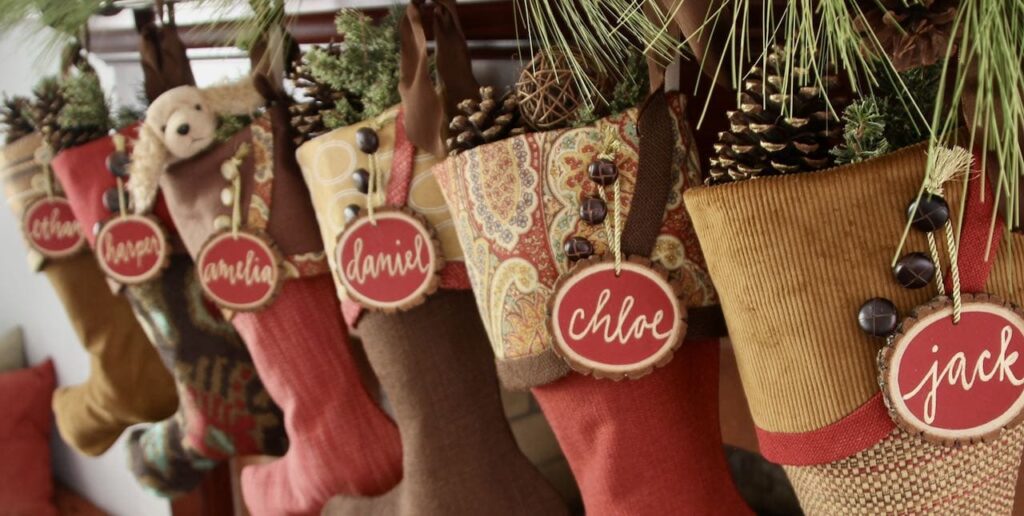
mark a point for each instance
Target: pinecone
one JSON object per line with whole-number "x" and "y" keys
{"x": 307, "y": 116}
{"x": 16, "y": 117}
{"x": 485, "y": 121}
{"x": 913, "y": 33}
{"x": 765, "y": 141}
{"x": 46, "y": 108}
{"x": 49, "y": 103}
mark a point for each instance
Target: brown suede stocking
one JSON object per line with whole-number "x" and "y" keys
{"x": 459, "y": 456}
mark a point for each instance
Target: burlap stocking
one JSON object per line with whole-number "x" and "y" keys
{"x": 793, "y": 259}
{"x": 459, "y": 456}
{"x": 341, "y": 441}
{"x": 633, "y": 445}
{"x": 127, "y": 383}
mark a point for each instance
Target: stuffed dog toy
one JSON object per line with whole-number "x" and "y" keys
{"x": 179, "y": 124}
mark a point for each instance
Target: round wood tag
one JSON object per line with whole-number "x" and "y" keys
{"x": 50, "y": 227}
{"x": 132, "y": 249}
{"x": 956, "y": 383}
{"x": 390, "y": 263}
{"x": 616, "y": 326}
{"x": 239, "y": 271}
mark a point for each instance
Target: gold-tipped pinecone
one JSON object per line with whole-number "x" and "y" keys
{"x": 766, "y": 140}
{"x": 46, "y": 109}
{"x": 16, "y": 117}
{"x": 491, "y": 119}
{"x": 307, "y": 115}
{"x": 913, "y": 33}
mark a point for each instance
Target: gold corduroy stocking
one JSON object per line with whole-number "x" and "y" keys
{"x": 793, "y": 258}
{"x": 128, "y": 383}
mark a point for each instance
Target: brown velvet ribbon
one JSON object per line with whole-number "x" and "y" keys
{"x": 164, "y": 62}
{"x": 427, "y": 110}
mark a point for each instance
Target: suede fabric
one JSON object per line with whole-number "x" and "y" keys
{"x": 650, "y": 446}
{"x": 26, "y": 483}
{"x": 459, "y": 456}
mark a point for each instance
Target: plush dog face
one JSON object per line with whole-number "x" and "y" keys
{"x": 185, "y": 121}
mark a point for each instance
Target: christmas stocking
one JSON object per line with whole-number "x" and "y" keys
{"x": 224, "y": 410}
{"x": 127, "y": 383}
{"x": 646, "y": 446}
{"x": 794, "y": 259}
{"x": 458, "y": 453}
{"x": 340, "y": 440}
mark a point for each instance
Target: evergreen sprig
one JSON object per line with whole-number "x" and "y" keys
{"x": 367, "y": 68}
{"x": 85, "y": 103}
{"x": 882, "y": 122}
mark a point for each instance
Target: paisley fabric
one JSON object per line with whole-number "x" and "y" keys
{"x": 327, "y": 164}
{"x": 516, "y": 201}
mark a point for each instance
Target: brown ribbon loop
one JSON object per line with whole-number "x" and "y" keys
{"x": 653, "y": 178}
{"x": 165, "y": 64}
{"x": 427, "y": 110}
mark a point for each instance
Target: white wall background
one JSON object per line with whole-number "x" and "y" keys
{"x": 26, "y": 299}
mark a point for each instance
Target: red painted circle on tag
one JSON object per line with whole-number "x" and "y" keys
{"x": 131, "y": 249}
{"x": 388, "y": 263}
{"x": 616, "y": 325}
{"x": 238, "y": 272}
{"x": 959, "y": 382}
{"x": 51, "y": 228}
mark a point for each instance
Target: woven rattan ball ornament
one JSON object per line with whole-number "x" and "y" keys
{"x": 548, "y": 95}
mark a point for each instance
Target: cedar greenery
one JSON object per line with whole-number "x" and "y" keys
{"x": 85, "y": 105}
{"x": 879, "y": 123}
{"x": 367, "y": 68}
{"x": 629, "y": 91}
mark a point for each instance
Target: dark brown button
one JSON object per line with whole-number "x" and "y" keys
{"x": 878, "y": 317}
{"x": 930, "y": 214}
{"x": 914, "y": 270}
{"x": 351, "y": 212}
{"x": 367, "y": 140}
{"x": 362, "y": 180}
{"x": 117, "y": 164}
{"x": 96, "y": 228}
{"x": 111, "y": 201}
{"x": 603, "y": 172}
{"x": 593, "y": 210}
{"x": 578, "y": 248}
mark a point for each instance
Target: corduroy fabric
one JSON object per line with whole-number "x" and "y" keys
{"x": 341, "y": 441}
{"x": 904, "y": 474}
{"x": 459, "y": 456}
{"x": 794, "y": 257}
{"x": 650, "y": 446}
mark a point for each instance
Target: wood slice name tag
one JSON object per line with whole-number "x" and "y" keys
{"x": 956, "y": 383}
{"x": 239, "y": 271}
{"x": 50, "y": 227}
{"x": 616, "y": 326}
{"x": 132, "y": 249}
{"x": 389, "y": 263}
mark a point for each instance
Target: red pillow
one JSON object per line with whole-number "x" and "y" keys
{"x": 26, "y": 484}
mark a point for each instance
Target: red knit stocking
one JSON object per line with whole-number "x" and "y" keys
{"x": 650, "y": 446}
{"x": 341, "y": 441}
